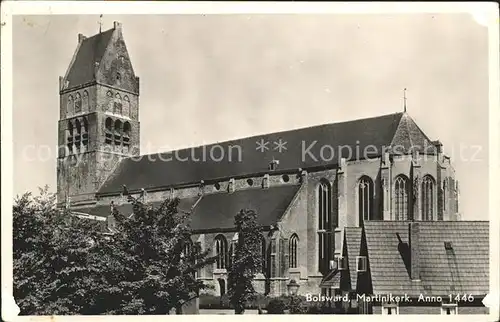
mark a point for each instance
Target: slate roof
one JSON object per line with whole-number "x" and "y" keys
{"x": 216, "y": 211}
{"x": 151, "y": 172}
{"x": 464, "y": 269}
{"x": 353, "y": 243}
{"x": 90, "y": 51}
{"x": 331, "y": 280}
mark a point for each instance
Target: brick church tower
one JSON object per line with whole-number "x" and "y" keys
{"x": 99, "y": 116}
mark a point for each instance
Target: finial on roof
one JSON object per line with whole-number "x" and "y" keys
{"x": 404, "y": 98}
{"x": 100, "y": 23}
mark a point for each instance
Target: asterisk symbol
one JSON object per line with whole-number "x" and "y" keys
{"x": 280, "y": 145}
{"x": 262, "y": 145}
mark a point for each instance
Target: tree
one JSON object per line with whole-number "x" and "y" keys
{"x": 152, "y": 261}
{"x": 66, "y": 265}
{"x": 52, "y": 272}
{"x": 247, "y": 260}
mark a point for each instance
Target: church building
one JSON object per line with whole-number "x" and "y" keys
{"x": 309, "y": 186}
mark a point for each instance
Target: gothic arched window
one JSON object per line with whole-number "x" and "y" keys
{"x": 70, "y": 137}
{"x": 109, "y": 106}
{"x": 428, "y": 198}
{"x": 69, "y": 106}
{"x": 85, "y": 101}
{"x": 85, "y": 132}
{"x": 78, "y": 134}
{"x": 117, "y": 106}
{"x": 118, "y": 132}
{"x": 292, "y": 251}
{"x": 221, "y": 252}
{"x": 78, "y": 103}
{"x": 324, "y": 225}
{"x": 365, "y": 199}
{"x": 187, "y": 252}
{"x": 126, "y": 106}
{"x": 126, "y": 134}
{"x": 401, "y": 197}
{"x": 264, "y": 255}
{"x": 108, "y": 131}
{"x": 187, "y": 248}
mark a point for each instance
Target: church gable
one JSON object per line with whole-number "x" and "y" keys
{"x": 115, "y": 68}
{"x": 409, "y": 136}
{"x": 102, "y": 58}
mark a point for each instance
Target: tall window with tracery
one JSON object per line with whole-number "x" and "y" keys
{"x": 292, "y": 251}
{"x": 187, "y": 248}
{"x": 69, "y": 106}
{"x": 126, "y": 106}
{"x": 221, "y": 252}
{"x": 117, "y": 106}
{"x": 70, "y": 142}
{"x": 264, "y": 256}
{"x": 85, "y": 101}
{"x": 108, "y": 139}
{"x": 428, "y": 198}
{"x": 324, "y": 225}
{"x": 365, "y": 199}
{"x": 118, "y": 132}
{"x": 187, "y": 253}
{"x": 126, "y": 135}
{"x": 85, "y": 132}
{"x": 78, "y": 135}
{"x": 401, "y": 197}
{"x": 110, "y": 101}
{"x": 78, "y": 103}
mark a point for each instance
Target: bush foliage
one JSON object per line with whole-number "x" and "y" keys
{"x": 66, "y": 265}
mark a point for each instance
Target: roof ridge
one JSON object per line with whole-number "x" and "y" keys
{"x": 269, "y": 133}
{"x": 98, "y": 34}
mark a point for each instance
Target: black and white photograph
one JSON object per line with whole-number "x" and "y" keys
{"x": 249, "y": 158}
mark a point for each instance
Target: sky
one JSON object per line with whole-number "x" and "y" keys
{"x": 210, "y": 78}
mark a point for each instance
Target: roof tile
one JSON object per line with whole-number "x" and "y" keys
{"x": 240, "y": 157}
{"x": 465, "y": 270}
{"x": 217, "y": 210}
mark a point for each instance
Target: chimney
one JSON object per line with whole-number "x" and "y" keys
{"x": 414, "y": 241}
{"x": 273, "y": 165}
{"x": 117, "y": 25}
{"x": 81, "y": 38}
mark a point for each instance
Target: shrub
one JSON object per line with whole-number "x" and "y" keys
{"x": 276, "y": 306}
{"x": 208, "y": 301}
{"x": 297, "y": 305}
